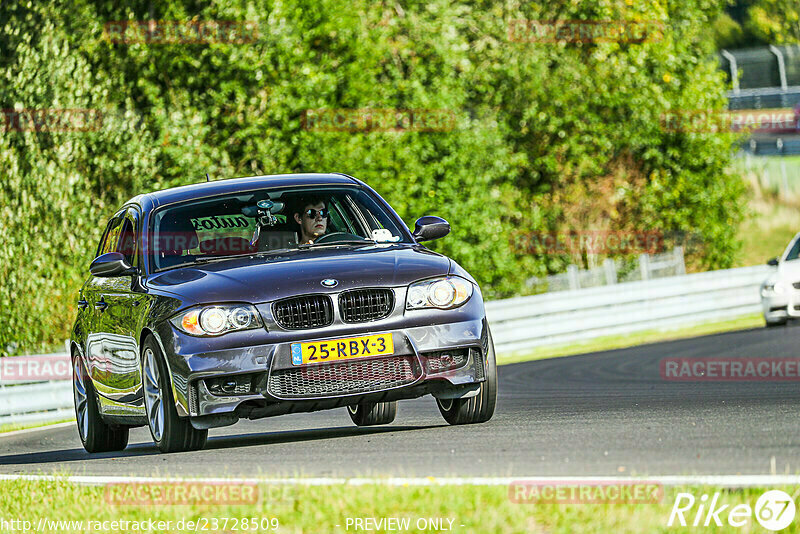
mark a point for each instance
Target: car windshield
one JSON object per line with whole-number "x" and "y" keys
{"x": 794, "y": 252}
{"x": 264, "y": 222}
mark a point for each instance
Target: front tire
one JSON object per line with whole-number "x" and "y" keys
{"x": 477, "y": 409}
{"x": 170, "y": 432}
{"x": 373, "y": 413}
{"x": 96, "y": 435}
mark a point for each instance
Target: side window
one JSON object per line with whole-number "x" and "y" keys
{"x": 358, "y": 215}
{"x": 339, "y": 220}
{"x": 794, "y": 252}
{"x": 127, "y": 242}
{"x": 111, "y": 237}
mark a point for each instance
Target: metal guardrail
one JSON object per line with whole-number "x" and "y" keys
{"x": 36, "y": 403}
{"x": 648, "y": 266}
{"x": 558, "y": 318}
{"x": 523, "y": 323}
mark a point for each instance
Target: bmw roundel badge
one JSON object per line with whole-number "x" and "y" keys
{"x": 330, "y": 282}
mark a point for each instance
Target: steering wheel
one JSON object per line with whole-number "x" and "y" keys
{"x": 338, "y": 236}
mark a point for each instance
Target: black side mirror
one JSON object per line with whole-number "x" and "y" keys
{"x": 111, "y": 264}
{"x": 773, "y": 262}
{"x": 428, "y": 228}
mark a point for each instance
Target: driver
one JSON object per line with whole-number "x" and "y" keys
{"x": 312, "y": 216}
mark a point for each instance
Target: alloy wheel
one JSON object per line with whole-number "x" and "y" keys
{"x": 81, "y": 399}
{"x": 153, "y": 396}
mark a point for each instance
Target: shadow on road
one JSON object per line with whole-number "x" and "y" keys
{"x": 214, "y": 443}
{"x": 296, "y": 436}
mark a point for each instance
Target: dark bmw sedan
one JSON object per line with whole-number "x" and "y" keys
{"x": 269, "y": 295}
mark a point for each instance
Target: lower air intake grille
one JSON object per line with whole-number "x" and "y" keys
{"x": 436, "y": 362}
{"x": 363, "y": 305}
{"x": 478, "y": 359}
{"x": 308, "y": 311}
{"x": 796, "y": 285}
{"x": 358, "y": 376}
{"x": 193, "y": 408}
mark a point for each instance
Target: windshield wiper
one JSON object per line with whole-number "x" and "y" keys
{"x": 211, "y": 259}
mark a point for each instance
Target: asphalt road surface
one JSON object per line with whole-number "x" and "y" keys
{"x": 601, "y": 414}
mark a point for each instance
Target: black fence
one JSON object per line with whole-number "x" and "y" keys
{"x": 757, "y": 68}
{"x": 766, "y": 98}
{"x": 773, "y": 146}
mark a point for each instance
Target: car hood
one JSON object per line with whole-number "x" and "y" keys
{"x": 296, "y": 272}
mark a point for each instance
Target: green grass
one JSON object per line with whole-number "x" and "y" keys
{"x": 14, "y": 428}
{"x": 768, "y": 232}
{"x": 630, "y": 340}
{"x": 769, "y": 172}
{"x": 320, "y": 509}
{"x": 775, "y": 215}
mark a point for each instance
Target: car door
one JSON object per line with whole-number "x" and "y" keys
{"x": 117, "y": 374}
{"x": 92, "y": 295}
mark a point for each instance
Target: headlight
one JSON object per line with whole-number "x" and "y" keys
{"x": 442, "y": 293}
{"x": 773, "y": 287}
{"x": 217, "y": 320}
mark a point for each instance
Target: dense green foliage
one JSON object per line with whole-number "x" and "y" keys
{"x": 547, "y": 136}
{"x": 749, "y": 23}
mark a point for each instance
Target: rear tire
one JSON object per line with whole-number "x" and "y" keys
{"x": 96, "y": 435}
{"x": 373, "y": 413}
{"x": 170, "y": 432}
{"x": 773, "y": 324}
{"x": 477, "y": 409}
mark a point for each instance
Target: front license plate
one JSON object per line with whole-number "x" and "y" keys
{"x": 342, "y": 349}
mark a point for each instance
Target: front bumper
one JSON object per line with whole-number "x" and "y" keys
{"x": 276, "y": 386}
{"x": 781, "y": 306}
{"x": 774, "y": 307}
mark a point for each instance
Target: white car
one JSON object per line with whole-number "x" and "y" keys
{"x": 780, "y": 293}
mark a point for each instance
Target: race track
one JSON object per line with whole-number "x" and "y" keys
{"x": 602, "y": 414}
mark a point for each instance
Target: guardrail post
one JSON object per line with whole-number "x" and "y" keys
{"x": 679, "y": 260}
{"x": 734, "y": 70}
{"x": 781, "y": 66}
{"x": 572, "y": 274}
{"x": 610, "y": 267}
{"x": 644, "y": 266}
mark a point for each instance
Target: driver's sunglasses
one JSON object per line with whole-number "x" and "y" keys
{"x": 312, "y": 213}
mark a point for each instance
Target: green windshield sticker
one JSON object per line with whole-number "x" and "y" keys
{"x": 214, "y": 222}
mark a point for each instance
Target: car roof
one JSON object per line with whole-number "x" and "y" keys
{"x": 233, "y": 185}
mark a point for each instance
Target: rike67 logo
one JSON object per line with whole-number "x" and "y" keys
{"x": 774, "y": 510}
